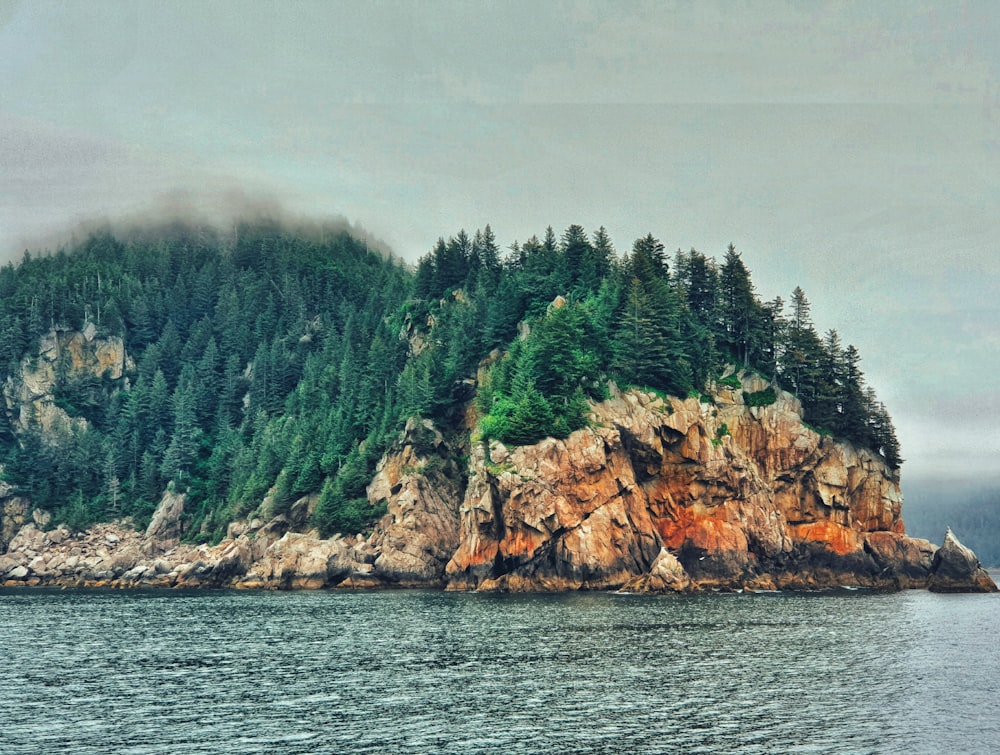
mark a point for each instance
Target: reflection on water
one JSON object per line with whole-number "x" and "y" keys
{"x": 167, "y": 672}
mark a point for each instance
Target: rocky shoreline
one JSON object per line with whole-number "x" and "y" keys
{"x": 255, "y": 555}
{"x": 117, "y": 556}
{"x": 658, "y": 494}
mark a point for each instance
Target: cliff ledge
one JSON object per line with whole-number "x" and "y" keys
{"x": 657, "y": 494}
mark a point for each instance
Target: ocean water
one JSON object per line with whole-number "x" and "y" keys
{"x": 432, "y": 672}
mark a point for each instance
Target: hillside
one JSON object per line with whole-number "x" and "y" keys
{"x": 237, "y": 407}
{"x": 264, "y": 363}
{"x": 655, "y": 494}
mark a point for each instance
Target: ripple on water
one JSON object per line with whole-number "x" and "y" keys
{"x": 151, "y": 672}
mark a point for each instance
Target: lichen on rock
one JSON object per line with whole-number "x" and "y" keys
{"x": 738, "y": 496}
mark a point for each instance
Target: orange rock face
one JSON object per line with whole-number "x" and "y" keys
{"x": 655, "y": 495}
{"x": 740, "y": 496}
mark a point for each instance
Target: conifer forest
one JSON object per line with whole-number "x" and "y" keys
{"x": 273, "y": 362}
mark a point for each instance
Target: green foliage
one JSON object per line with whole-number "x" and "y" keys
{"x": 342, "y": 510}
{"x": 731, "y": 381}
{"x": 765, "y": 397}
{"x": 267, "y": 359}
{"x": 240, "y": 345}
{"x": 541, "y": 387}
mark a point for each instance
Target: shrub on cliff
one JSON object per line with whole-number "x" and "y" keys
{"x": 538, "y": 389}
{"x": 765, "y": 397}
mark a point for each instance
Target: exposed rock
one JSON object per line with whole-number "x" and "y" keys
{"x": 422, "y": 487}
{"x": 907, "y": 559}
{"x": 13, "y": 514}
{"x": 955, "y": 568}
{"x": 656, "y": 495}
{"x": 744, "y": 496}
{"x": 236, "y": 528}
{"x": 165, "y": 529}
{"x": 29, "y": 393}
{"x": 665, "y": 575}
{"x": 299, "y": 561}
{"x": 300, "y": 511}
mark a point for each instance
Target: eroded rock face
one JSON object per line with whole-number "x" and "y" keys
{"x": 740, "y": 497}
{"x": 418, "y": 479}
{"x": 164, "y": 530}
{"x": 116, "y": 555}
{"x": 13, "y": 514}
{"x": 422, "y": 486}
{"x": 657, "y": 495}
{"x": 955, "y": 568}
{"x": 29, "y": 394}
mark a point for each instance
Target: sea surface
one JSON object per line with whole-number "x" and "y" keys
{"x": 431, "y": 672}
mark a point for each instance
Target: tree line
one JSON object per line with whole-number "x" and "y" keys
{"x": 645, "y": 318}
{"x": 274, "y": 364}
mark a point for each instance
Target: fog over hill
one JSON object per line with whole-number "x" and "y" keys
{"x": 848, "y": 149}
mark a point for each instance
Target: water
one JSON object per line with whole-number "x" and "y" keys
{"x": 430, "y": 672}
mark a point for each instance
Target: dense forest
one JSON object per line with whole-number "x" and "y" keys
{"x": 269, "y": 360}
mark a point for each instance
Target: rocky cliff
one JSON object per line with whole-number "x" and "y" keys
{"x": 704, "y": 493}
{"x": 29, "y": 393}
{"x": 657, "y": 494}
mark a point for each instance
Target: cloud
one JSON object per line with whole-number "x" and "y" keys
{"x": 775, "y": 52}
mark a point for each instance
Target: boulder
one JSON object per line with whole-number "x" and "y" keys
{"x": 164, "y": 530}
{"x": 298, "y": 561}
{"x": 955, "y": 568}
{"x": 906, "y": 560}
{"x": 13, "y": 515}
{"x": 665, "y": 575}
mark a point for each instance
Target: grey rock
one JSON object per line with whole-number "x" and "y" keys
{"x": 165, "y": 526}
{"x": 956, "y": 568}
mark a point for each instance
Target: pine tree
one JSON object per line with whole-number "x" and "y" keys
{"x": 801, "y": 352}
{"x": 855, "y": 411}
{"x": 738, "y": 307}
{"x": 182, "y": 451}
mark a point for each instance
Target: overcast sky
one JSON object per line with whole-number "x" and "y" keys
{"x": 850, "y": 148}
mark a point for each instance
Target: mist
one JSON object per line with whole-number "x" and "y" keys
{"x": 203, "y": 217}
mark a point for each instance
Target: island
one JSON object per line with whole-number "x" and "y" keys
{"x": 291, "y": 408}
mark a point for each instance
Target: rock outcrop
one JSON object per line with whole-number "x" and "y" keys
{"x": 741, "y": 497}
{"x": 29, "y": 393}
{"x": 14, "y": 513}
{"x": 421, "y": 484}
{"x": 419, "y": 481}
{"x": 955, "y": 568}
{"x": 656, "y": 495}
{"x": 165, "y": 530}
{"x": 117, "y": 555}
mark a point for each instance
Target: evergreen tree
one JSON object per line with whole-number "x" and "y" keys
{"x": 801, "y": 352}
{"x": 266, "y": 360}
{"x": 854, "y": 424}
{"x": 738, "y": 308}
{"x": 181, "y": 453}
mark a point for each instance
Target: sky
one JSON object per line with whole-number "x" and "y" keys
{"x": 850, "y": 148}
